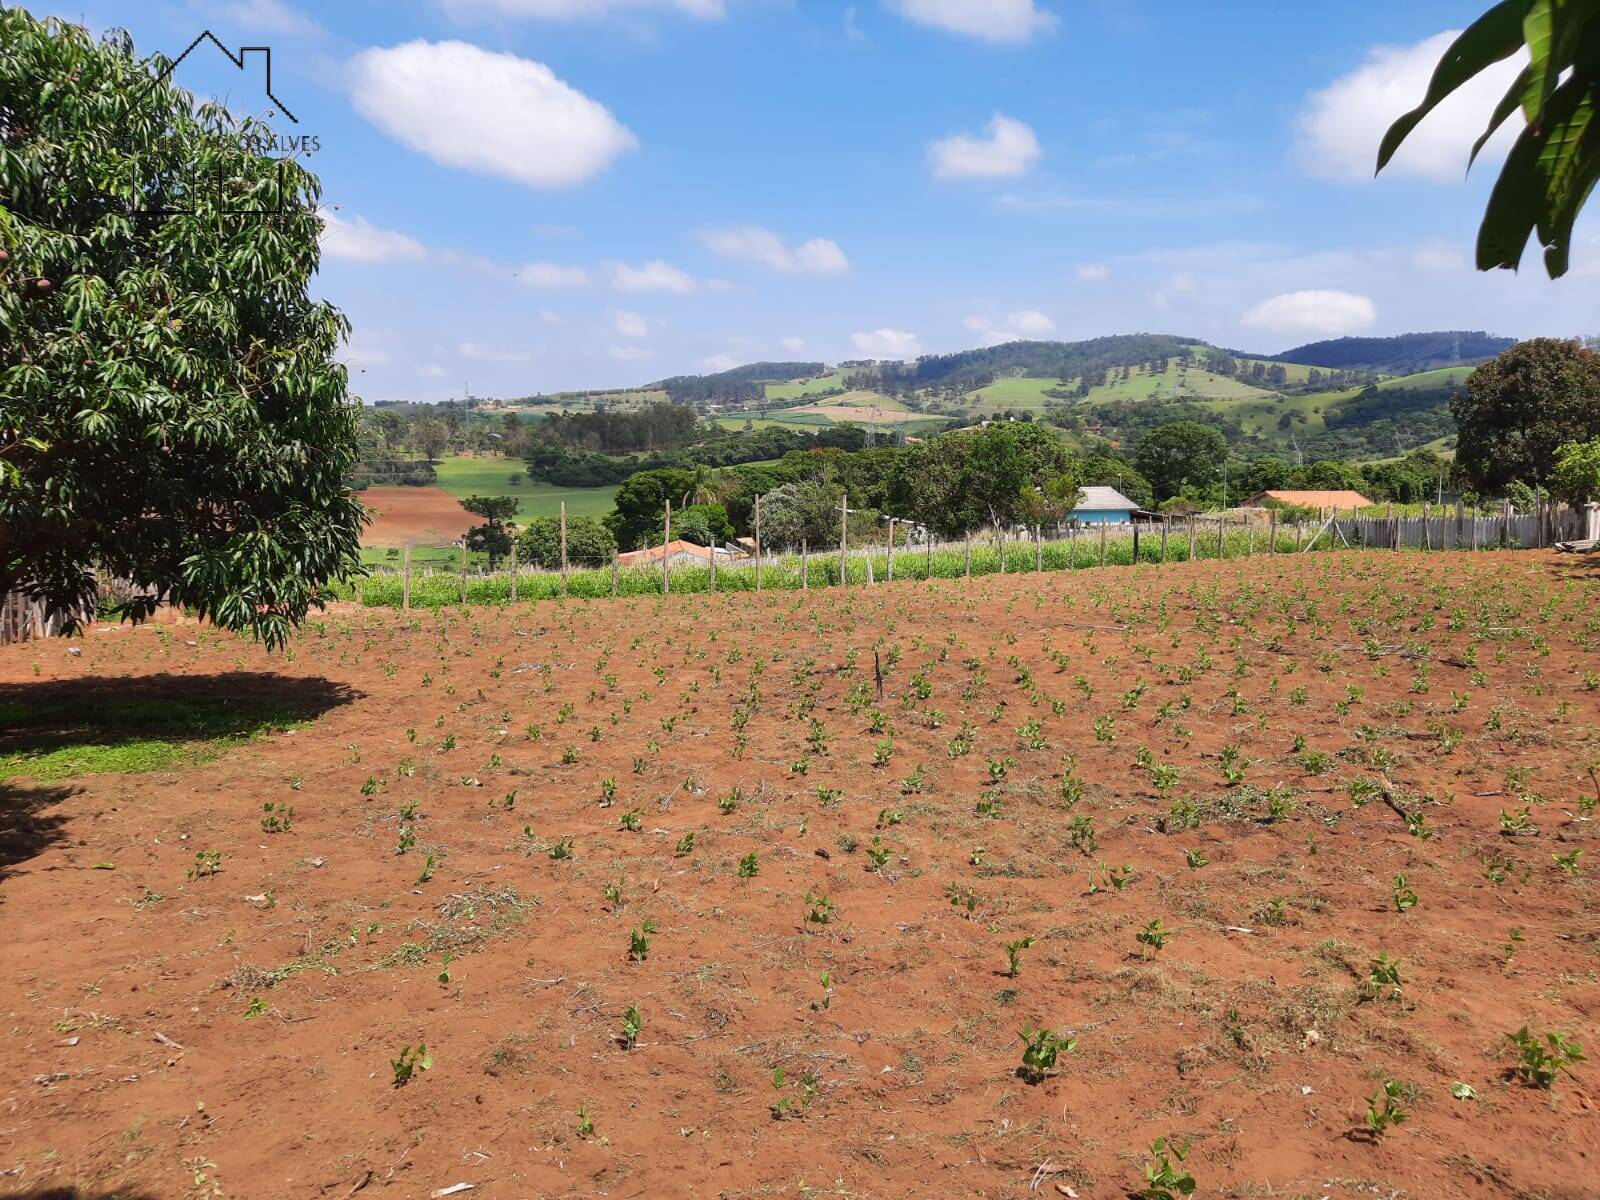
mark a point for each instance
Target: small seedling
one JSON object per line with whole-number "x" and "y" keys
{"x": 749, "y": 866}
{"x": 1539, "y": 1061}
{"x": 819, "y": 909}
{"x": 1154, "y": 935}
{"x": 411, "y": 1060}
{"x": 1014, "y": 955}
{"x": 1405, "y": 897}
{"x": 1195, "y": 859}
{"x": 685, "y": 844}
{"x": 1039, "y": 1050}
{"x": 585, "y": 1122}
{"x": 639, "y": 941}
{"x": 632, "y": 1022}
{"x": 430, "y": 865}
{"x": 206, "y": 862}
{"x": 277, "y": 818}
{"x": 632, "y": 821}
{"x": 1384, "y": 1108}
{"x": 561, "y": 850}
{"x": 1164, "y": 1179}
{"x": 1383, "y": 976}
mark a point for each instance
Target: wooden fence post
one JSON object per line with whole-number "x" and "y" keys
{"x": 666, "y": 539}
{"x": 1299, "y": 533}
{"x": 1166, "y": 524}
{"x": 463, "y": 570}
{"x": 1038, "y": 550}
{"x": 930, "y": 555}
{"x": 713, "y": 549}
{"x": 1191, "y": 537}
{"x": 844, "y": 537}
{"x": 891, "y": 550}
{"x": 615, "y": 556}
{"x": 1474, "y": 524}
{"x": 1102, "y": 543}
{"x": 758, "y": 543}
{"x": 513, "y": 570}
{"x": 1222, "y": 540}
{"x": 405, "y": 580}
{"x": 1272, "y": 532}
{"x": 1000, "y": 545}
{"x": 805, "y": 568}
{"x": 969, "y": 554}
{"x": 1427, "y": 528}
{"x": 563, "y": 547}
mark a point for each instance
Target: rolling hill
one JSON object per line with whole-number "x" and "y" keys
{"x": 1348, "y": 398}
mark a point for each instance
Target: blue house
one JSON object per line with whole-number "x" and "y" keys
{"x": 1103, "y": 506}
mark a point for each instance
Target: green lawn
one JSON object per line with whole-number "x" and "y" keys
{"x": 490, "y": 476}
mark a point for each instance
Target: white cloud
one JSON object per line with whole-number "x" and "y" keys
{"x": 1341, "y": 126}
{"x": 356, "y": 240}
{"x": 793, "y": 344}
{"x": 552, "y": 275}
{"x": 1325, "y": 312}
{"x": 991, "y": 20}
{"x": 887, "y": 343}
{"x": 258, "y": 17}
{"x": 501, "y": 354}
{"x": 1439, "y": 258}
{"x": 630, "y": 324}
{"x": 1008, "y": 149}
{"x": 1030, "y": 322}
{"x": 654, "y": 276}
{"x": 751, "y": 243}
{"x": 629, "y": 353}
{"x": 580, "y": 10}
{"x": 497, "y": 114}
{"x": 1093, "y": 272}
{"x": 431, "y": 371}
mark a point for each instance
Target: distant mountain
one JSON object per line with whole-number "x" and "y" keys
{"x": 1405, "y": 353}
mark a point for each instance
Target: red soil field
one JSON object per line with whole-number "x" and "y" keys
{"x": 491, "y": 805}
{"x": 413, "y": 516}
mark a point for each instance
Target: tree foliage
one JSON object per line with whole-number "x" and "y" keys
{"x": 1576, "y": 478}
{"x": 1517, "y": 410}
{"x": 589, "y": 542}
{"x": 1180, "y": 453}
{"x": 492, "y": 537}
{"x": 969, "y": 478}
{"x": 1553, "y": 165}
{"x": 173, "y": 410}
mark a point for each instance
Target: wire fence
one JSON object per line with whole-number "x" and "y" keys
{"x": 989, "y": 552}
{"x": 1171, "y": 540}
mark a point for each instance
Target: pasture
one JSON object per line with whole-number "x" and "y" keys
{"x": 490, "y": 475}
{"x": 1288, "y": 863}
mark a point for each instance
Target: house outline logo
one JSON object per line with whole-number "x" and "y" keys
{"x": 306, "y": 144}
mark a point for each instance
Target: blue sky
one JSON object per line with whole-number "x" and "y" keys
{"x": 533, "y": 195}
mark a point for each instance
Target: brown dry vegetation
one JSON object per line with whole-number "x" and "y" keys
{"x": 1433, "y": 694}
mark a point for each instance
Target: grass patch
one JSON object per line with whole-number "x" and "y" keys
{"x": 50, "y": 742}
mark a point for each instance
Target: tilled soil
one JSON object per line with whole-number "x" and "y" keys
{"x": 818, "y": 819}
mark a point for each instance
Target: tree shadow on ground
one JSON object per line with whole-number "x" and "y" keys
{"x": 57, "y": 730}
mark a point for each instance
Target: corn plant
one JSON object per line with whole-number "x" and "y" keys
{"x": 639, "y": 941}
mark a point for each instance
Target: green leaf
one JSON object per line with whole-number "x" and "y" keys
{"x": 1491, "y": 38}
